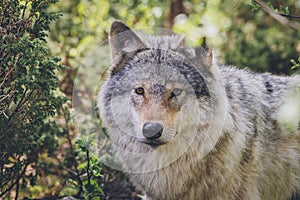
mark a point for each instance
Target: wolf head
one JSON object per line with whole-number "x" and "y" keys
{"x": 158, "y": 92}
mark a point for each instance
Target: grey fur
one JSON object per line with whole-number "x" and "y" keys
{"x": 225, "y": 141}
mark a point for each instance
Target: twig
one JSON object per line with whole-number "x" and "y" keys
{"x": 283, "y": 20}
{"x": 24, "y": 9}
{"x": 3, "y": 97}
{"x": 65, "y": 168}
{"x": 73, "y": 153}
{"x": 6, "y": 75}
{"x": 290, "y": 16}
{"x": 88, "y": 166}
{"x": 22, "y": 100}
{"x": 17, "y": 190}
{"x": 14, "y": 183}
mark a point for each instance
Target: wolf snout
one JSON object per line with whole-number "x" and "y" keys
{"x": 152, "y": 131}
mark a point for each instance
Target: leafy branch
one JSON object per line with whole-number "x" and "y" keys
{"x": 73, "y": 155}
{"x": 91, "y": 189}
{"x": 296, "y": 64}
{"x": 280, "y": 17}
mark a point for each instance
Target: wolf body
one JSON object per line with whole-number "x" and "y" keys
{"x": 188, "y": 128}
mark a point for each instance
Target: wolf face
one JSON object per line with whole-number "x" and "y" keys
{"x": 158, "y": 96}
{"x": 151, "y": 89}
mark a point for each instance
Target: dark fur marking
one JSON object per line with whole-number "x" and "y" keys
{"x": 126, "y": 57}
{"x": 158, "y": 90}
{"x": 247, "y": 153}
{"x": 195, "y": 79}
{"x": 269, "y": 87}
{"x": 275, "y": 136}
{"x": 158, "y": 55}
{"x": 242, "y": 88}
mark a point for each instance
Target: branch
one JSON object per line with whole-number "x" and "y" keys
{"x": 24, "y": 9}
{"x": 16, "y": 181}
{"x": 72, "y": 151}
{"x": 290, "y": 16}
{"x": 281, "y": 19}
{"x": 22, "y": 100}
{"x": 6, "y": 75}
{"x": 65, "y": 168}
{"x": 88, "y": 166}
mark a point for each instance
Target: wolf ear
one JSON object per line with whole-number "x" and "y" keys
{"x": 122, "y": 40}
{"x": 200, "y": 56}
{"x": 205, "y": 55}
{"x": 179, "y": 43}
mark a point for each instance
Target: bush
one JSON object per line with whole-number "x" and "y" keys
{"x": 29, "y": 98}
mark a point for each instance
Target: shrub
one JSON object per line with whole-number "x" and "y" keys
{"x": 29, "y": 98}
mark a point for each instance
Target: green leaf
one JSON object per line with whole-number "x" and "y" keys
{"x": 253, "y": 6}
{"x": 270, "y": 5}
{"x": 284, "y": 10}
{"x": 91, "y": 189}
{"x": 295, "y": 64}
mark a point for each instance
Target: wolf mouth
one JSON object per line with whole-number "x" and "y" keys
{"x": 168, "y": 137}
{"x": 154, "y": 143}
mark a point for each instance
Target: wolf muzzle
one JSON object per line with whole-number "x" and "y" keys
{"x": 152, "y": 131}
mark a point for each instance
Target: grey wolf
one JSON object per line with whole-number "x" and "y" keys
{"x": 186, "y": 127}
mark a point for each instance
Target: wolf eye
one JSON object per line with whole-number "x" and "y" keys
{"x": 139, "y": 91}
{"x": 176, "y": 92}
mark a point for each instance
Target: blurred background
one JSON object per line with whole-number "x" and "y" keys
{"x": 44, "y": 45}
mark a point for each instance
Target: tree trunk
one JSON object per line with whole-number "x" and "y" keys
{"x": 175, "y": 8}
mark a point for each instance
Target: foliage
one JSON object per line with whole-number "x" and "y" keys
{"x": 29, "y": 98}
{"x": 259, "y": 42}
{"x": 91, "y": 188}
{"x": 296, "y": 64}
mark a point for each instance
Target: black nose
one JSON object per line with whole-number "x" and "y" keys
{"x": 152, "y": 131}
